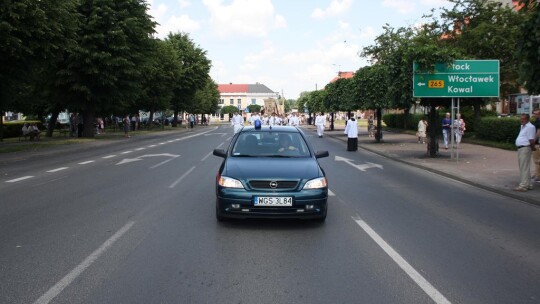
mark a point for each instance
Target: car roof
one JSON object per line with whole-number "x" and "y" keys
{"x": 271, "y": 129}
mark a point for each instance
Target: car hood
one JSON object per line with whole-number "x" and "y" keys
{"x": 271, "y": 168}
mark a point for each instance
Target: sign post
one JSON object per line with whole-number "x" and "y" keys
{"x": 459, "y": 79}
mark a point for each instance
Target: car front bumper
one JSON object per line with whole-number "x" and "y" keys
{"x": 238, "y": 203}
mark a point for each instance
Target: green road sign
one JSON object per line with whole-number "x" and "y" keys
{"x": 462, "y": 78}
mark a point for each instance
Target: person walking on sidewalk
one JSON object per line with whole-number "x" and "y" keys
{"x": 446, "y": 123}
{"x": 525, "y": 145}
{"x": 422, "y": 128}
{"x": 320, "y": 121}
{"x": 459, "y": 128}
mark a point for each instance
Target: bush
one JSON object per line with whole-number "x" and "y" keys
{"x": 13, "y": 129}
{"x": 397, "y": 121}
{"x": 504, "y": 129}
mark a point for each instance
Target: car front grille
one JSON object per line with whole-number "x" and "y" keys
{"x": 267, "y": 184}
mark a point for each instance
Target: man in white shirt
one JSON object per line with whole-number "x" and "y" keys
{"x": 237, "y": 122}
{"x": 525, "y": 145}
{"x": 320, "y": 121}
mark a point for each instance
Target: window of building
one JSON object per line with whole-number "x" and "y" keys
{"x": 231, "y": 101}
{"x": 221, "y": 101}
{"x": 239, "y": 101}
{"x": 253, "y": 101}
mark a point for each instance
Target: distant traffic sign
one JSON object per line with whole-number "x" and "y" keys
{"x": 462, "y": 78}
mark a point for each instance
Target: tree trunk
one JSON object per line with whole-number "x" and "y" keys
{"x": 378, "y": 134}
{"x": 406, "y": 119}
{"x": 433, "y": 140}
{"x": 89, "y": 124}
{"x": 175, "y": 119}
{"x": 2, "y": 125}
{"x": 52, "y": 123}
{"x": 150, "y": 124}
{"x": 332, "y": 121}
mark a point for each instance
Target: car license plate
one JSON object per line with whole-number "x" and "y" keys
{"x": 272, "y": 201}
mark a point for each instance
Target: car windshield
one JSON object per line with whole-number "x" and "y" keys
{"x": 270, "y": 144}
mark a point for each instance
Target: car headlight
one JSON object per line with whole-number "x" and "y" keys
{"x": 317, "y": 183}
{"x": 228, "y": 182}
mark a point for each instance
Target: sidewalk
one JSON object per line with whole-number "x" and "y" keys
{"x": 488, "y": 168}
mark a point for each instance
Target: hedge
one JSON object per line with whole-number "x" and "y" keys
{"x": 13, "y": 129}
{"x": 500, "y": 129}
{"x": 504, "y": 129}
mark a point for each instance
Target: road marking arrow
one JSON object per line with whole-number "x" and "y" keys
{"x": 361, "y": 167}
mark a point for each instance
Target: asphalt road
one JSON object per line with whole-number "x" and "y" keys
{"x": 135, "y": 223}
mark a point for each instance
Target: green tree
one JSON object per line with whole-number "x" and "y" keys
{"x": 370, "y": 84}
{"x": 254, "y": 108}
{"x": 207, "y": 98}
{"x": 103, "y": 73}
{"x": 32, "y": 34}
{"x": 529, "y": 47}
{"x": 194, "y": 70}
{"x": 160, "y": 72}
{"x": 484, "y": 29}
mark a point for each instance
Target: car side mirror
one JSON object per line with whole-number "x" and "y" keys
{"x": 320, "y": 154}
{"x": 220, "y": 153}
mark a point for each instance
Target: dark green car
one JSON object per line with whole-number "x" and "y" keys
{"x": 271, "y": 172}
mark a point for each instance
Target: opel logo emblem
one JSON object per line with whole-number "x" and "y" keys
{"x": 273, "y": 184}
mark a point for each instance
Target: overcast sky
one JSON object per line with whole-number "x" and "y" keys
{"x": 289, "y": 45}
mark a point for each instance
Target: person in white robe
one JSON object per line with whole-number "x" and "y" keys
{"x": 294, "y": 120}
{"x": 253, "y": 118}
{"x": 352, "y": 134}
{"x": 274, "y": 120}
{"x": 320, "y": 122}
{"x": 237, "y": 122}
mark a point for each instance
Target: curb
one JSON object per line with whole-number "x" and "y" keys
{"x": 441, "y": 173}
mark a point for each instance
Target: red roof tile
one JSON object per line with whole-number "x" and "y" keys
{"x": 345, "y": 75}
{"x": 233, "y": 88}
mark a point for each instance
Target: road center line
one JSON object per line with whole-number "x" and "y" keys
{"x": 207, "y": 155}
{"x": 181, "y": 177}
{"x": 18, "y": 179}
{"x": 58, "y": 169}
{"x": 76, "y": 272}
{"x": 433, "y": 293}
{"x": 86, "y": 162}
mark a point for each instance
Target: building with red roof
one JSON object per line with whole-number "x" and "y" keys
{"x": 243, "y": 95}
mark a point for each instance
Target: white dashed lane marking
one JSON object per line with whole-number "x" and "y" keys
{"x": 126, "y": 152}
{"x": 109, "y": 156}
{"x": 139, "y": 149}
{"x": 86, "y": 162}
{"x": 57, "y": 169}
{"x": 18, "y": 179}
